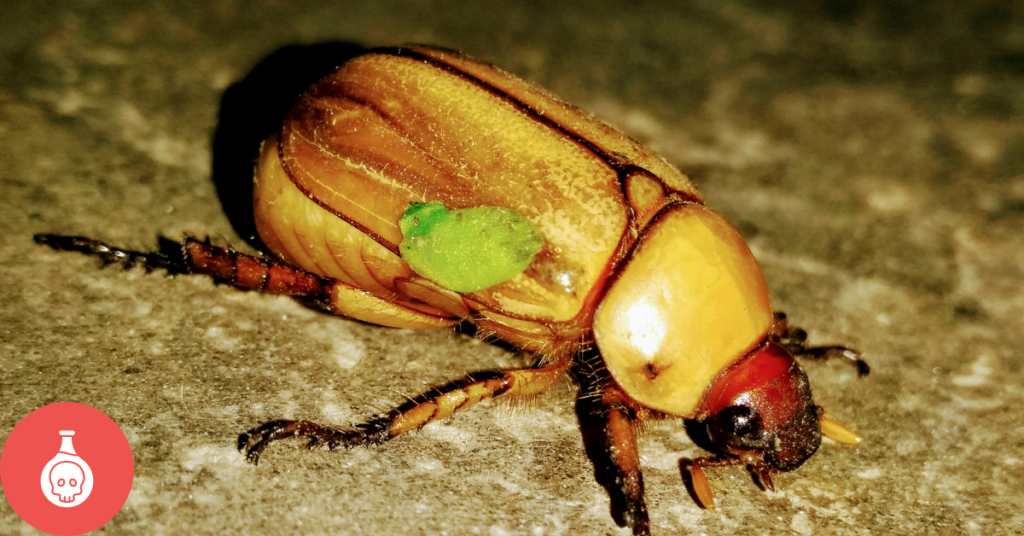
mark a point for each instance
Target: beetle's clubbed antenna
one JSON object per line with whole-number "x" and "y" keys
{"x": 170, "y": 257}
{"x": 838, "y": 432}
{"x": 701, "y": 488}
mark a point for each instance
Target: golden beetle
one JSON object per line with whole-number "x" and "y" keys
{"x": 617, "y": 270}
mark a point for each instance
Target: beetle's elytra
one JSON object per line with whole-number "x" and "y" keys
{"x": 611, "y": 264}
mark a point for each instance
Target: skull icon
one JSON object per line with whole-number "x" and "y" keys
{"x": 66, "y": 479}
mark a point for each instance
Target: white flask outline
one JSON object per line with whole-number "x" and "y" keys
{"x": 58, "y": 481}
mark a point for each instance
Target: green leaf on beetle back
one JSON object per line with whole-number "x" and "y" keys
{"x": 468, "y": 249}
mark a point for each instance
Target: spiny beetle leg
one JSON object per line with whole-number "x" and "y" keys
{"x": 795, "y": 340}
{"x": 225, "y": 265}
{"x": 414, "y": 414}
{"x": 255, "y": 273}
{"x": 170, "y": 257}
{"x": 320, "y": 437}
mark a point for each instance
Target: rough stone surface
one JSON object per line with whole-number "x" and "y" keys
{"x": 871, "y": 151}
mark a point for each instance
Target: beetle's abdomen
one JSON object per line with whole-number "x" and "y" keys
{"x": 689, "y": 302}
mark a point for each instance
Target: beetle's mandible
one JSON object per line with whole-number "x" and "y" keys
{"x": 396, "y": 176}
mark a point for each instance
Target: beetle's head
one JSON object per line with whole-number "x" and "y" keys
{"x": 681, "y": 330}
{"x": 760, "y": 411}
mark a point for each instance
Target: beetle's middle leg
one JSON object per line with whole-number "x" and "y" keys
{"x": 418, "y": 412}
{"x": 795, "y": 340}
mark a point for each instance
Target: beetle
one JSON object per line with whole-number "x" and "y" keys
{"x": 419, "y": 188}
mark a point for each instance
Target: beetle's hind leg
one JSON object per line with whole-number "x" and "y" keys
{"x": 414, "y": 414}
{"x": 170, "y": 256}
{"x": 795, "y": 340}
{"x": 192, "y": 256}
{"x": 262, "y": 274}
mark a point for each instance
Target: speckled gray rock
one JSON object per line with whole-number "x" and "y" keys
{"x": 871, "y": 152}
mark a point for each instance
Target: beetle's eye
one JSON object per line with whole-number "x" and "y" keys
{"x": 737, "y": 427}
{"x": 745, "y": 421}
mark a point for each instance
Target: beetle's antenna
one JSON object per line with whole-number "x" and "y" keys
{"x": 838, "y": 432}
{"x": 701, "y": 488}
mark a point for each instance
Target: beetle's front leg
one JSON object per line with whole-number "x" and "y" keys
{"x": 609, "y": 421}
{"x": 795, "y": 340}
{"x": 414, "y": 414}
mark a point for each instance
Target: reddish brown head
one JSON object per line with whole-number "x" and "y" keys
{"x": 760, "y": 411}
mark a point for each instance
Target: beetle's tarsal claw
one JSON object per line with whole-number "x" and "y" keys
{"x": 838, "y": 432}
{"x": 840, "y": 352}
{"x": 255, "y": 441}
{"x": 764, "y": 476}
{"x": 243, "y": 440}
{"x": 863, "y": 369}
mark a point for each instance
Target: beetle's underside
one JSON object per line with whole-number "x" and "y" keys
{"x": 612, "y": 414}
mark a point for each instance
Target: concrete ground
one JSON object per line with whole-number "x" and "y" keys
{"x": 872, "y": 152}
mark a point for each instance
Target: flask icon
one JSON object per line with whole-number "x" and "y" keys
{"x": 66, "y": 480}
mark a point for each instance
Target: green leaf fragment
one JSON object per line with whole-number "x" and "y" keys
{"x": 468, "y": 249}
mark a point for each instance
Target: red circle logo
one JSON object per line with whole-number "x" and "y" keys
{"x": 66, "y": 468}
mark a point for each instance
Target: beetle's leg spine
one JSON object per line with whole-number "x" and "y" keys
{"x": 170, "y": 257}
